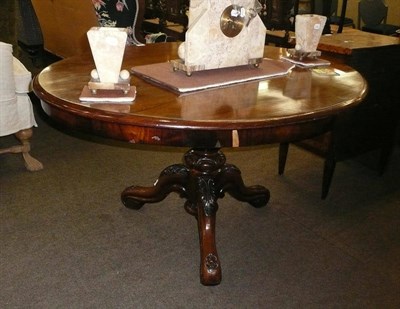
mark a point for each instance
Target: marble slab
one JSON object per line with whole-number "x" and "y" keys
{"x": 208, "y": 47}
{"x": 162, "y": 75}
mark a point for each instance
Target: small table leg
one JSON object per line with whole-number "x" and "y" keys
{"x": 203, "y": 179}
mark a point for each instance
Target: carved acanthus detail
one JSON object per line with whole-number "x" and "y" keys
{"x": 208, "y": 195}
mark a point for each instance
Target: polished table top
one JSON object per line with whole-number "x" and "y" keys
{"x": 159, "y": 116}
{"x": 299, "y": 105}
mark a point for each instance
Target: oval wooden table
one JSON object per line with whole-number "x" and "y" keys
{"x": 299, "y": 105}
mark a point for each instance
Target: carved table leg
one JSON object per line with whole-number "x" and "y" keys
{"x": 203, "y": 179}
{"x": 210, "y": 266}
{"x": 172, "y": 179}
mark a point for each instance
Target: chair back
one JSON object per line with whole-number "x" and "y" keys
{"x": 319, "y": 7}
{"x": 372, "y": 12}
{"x": 278, "y": 13}
{"x": 64, "y": 25}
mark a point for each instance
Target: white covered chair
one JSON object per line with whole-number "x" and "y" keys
{"x": 16, "y": 112}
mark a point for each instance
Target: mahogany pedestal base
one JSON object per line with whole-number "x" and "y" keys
{"x": 203, "y": 179}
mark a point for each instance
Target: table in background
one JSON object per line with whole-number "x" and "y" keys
{"x": 373, "y": 124}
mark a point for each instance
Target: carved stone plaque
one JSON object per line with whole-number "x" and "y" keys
{"x": 222, "y": 34}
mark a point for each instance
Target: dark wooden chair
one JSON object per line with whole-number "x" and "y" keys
{"x": 372, "y": 15}
{"x": 168, "y": 17}
{"x": 30, "y": 38}
{"x": 353, "y": 134}
{"x": 278, "y": 18}
{"x": 330, "y": 9}
{"x": 340, "y": 19}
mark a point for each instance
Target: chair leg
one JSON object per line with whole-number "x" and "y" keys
{"x": 385, "y": 154}
{"x": 283, "y": 151}
{"x": 30, "y": 163}
{"x": 329, "y": 168}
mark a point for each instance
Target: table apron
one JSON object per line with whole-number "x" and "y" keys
{"x": 190, "y": 137}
